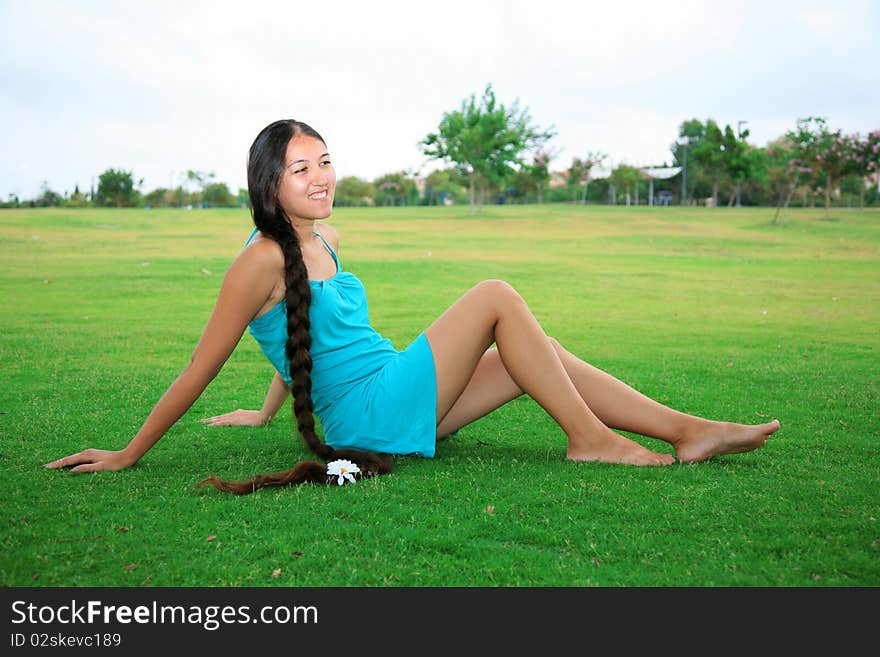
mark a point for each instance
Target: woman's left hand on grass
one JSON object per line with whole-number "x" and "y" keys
{"x": 239, "y": 418}
{"x": 92, "y": 460}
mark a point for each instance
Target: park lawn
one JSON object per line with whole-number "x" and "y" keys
{"x": 716, "y": 312}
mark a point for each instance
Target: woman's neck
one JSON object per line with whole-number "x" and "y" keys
{"x": 304, "y": 229}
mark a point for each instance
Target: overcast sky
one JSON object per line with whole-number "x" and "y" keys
{"x": 160, "y": 87}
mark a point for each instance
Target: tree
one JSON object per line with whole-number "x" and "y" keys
{"x": 867, "y": 161}
{"x": 709, "y": 153}
{"x": 580, "y": 171}
{"x": 785, "y": 171}
{"x": 47, "y": 197}
{"x": 77, "y": 199}
{"x": 352, "y": 190}
{"x": 195, "y": 185}
{"x": 217, "y": 195}
{"x": 830, "y": 155}
{"x": 158, "y": 198}
{"x": 740, "y": 161}
{"x": 444, "y": 185}
{"x": 538, "y": 172}
{"x": 484, "y": 139}
{"x": 625, "y": 177}
{"x": 243, "y": 199}
{"x": 837, "y": 158}
{"x": 690, "y": 135}
{"x": 395, "y": 189}
{"x": 116, "y": 188}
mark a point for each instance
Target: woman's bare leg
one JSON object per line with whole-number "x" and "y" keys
{"x": 615, "y": 404}
{"x": 621, "y": 407}
{"x": 493, "y": 312}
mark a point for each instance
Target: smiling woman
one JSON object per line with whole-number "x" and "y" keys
{"x": 310, "y": 318}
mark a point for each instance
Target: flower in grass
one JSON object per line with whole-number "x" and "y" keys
{"x": 342, "y": 469}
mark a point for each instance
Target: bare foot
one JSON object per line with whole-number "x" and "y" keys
{"x": 614, "y": 448}
{"x": 715, "y": 438}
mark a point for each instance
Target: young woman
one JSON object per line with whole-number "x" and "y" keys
{"x": 310, "y": 318}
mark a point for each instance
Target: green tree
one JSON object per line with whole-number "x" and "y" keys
{"x": 867, "y": 161}
{"x": 581, "y": 171}
{"x": 575, "y": 175}
{"x": 195, "y": 184}
{"x": 484, "y": 140}
{"x": 116, "y": 188}
{"x": 395, "y": 189}
{"x": 217, "y": 195}
{"x": 538, "y": 172}
{"x": 12, "y": 201}
{"x": 740, "y": 161}
{"x": 444, "y": 185}
{"x": 830, "y": 155}
{"x": 786, "y": 172}
{"x": 837, "y": 158}
{"x": 710, "y": 154}
{"x": 47, "y": 197}
{"x": 243, "y": 199}
{"x": 180, "y": 197}
{"x": 691, "y": 134}
{"x": 624, "y": 177}
{"x": 351, "y": 191}
{"x": 158, "y": 198}
{"x": 77, "y": 199}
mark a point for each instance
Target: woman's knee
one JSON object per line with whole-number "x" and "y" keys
{"x": 496, "y": 290}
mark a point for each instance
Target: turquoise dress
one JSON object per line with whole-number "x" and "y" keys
{"x": 367, "y": 394}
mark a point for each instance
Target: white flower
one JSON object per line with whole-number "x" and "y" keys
{"x": 343, "y": 470}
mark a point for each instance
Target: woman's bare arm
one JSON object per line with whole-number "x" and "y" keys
{"x": 246, "y": 287}
{"x": 279, "y": 391}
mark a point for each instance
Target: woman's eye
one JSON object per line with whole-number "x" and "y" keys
{"x": 325, "y": 162}
{"x": 301, "y": 170}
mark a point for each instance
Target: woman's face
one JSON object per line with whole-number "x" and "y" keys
{"x": 308, "y": 181}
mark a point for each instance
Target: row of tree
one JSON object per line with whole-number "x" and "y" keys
{"x": 118, "y": 188}
{"x": 493, "y": 153}
{"x": 489, "y": 144}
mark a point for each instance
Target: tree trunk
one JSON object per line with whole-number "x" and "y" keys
{"x": 480, "y": 197}
{"x": 584, "y": 197}
{"x": 471, "y": 191}
{"x": 862, "y": 195}
{"x": 715, "y": 193}
{"x": 540, "y": 189}
{"x": 827, "y": 194}
{"x": 791, "y": 192}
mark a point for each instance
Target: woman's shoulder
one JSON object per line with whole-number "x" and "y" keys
{"x": 329, "y": 233}
{"x": 264, "y": 252}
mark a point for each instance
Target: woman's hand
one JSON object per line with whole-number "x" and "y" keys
{"x": 92, "y": 460}
{"x": 239, "y": 418}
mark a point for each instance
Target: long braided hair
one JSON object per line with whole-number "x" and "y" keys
{"x": 265, "y": 167}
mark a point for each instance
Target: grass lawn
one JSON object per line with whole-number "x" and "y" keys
{"x": 714, "y": 312}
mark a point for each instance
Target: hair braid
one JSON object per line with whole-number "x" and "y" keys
{"x": 264, "y": 172}
{"x": 298, "y": 297}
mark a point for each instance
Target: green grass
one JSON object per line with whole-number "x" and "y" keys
{"x": 715, "y": 312}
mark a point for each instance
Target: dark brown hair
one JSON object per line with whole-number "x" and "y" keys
{"x": 264, "y": 170}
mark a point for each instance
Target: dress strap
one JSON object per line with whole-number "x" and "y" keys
{"x": 251, "y": 237}
{"x": 330, "y": 249}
